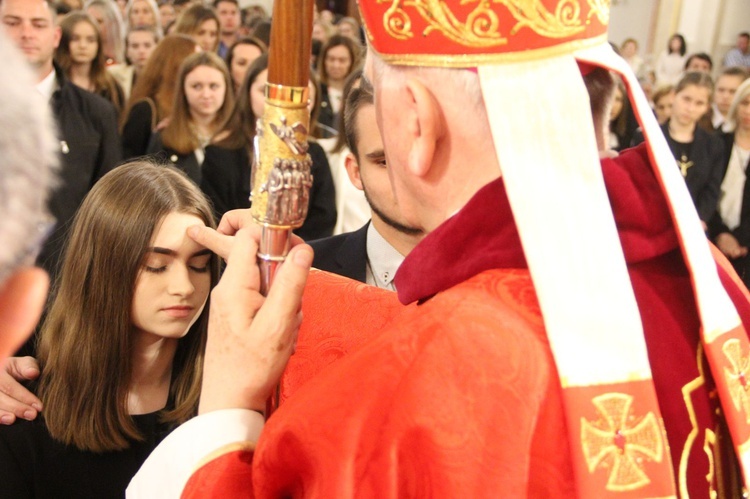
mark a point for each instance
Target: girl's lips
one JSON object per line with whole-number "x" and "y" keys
{"x": 178, "y": 311}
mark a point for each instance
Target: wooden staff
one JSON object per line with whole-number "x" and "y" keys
{"x": 281, "y": 171}
{"x": 282, "y": 179}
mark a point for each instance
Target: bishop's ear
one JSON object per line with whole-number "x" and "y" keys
{"x": 425, "y": 124}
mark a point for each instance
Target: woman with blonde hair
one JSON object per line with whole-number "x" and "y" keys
{"x": 730, "y": 227}
{"x": 202, "y": 24}
{"x": 143, "y": 13}
{"x": 150, "y": 103}
{"x": 111, "y": 27}
{"x": 202, "y": 104}
{"x": 81, "y": 57}
{"x": 121, "y": 350}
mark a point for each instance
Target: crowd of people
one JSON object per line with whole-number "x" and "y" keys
{"x": 699, "y": 117}
{"x": 156, "y": 107}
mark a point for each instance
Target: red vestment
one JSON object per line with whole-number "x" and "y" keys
{"x": 460, "y": 395}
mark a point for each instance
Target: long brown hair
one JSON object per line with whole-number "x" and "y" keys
{"x": 157, "y": 80}
{"x": 86, "y": 341}
{"x": 103, "y": 82}
{"x": 239, "y": 130}
{"x": 178, "y": 135}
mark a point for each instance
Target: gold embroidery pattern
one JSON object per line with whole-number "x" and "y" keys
{"x": 709, "y": 447}
{"x": 737, "y": 377}
{"x": 600, "y": 8}
{"x": 709, "y": 440}
{"x": 481, "y": 27}
{"x": 619, "y": 441}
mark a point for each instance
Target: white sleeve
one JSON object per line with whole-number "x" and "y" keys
{"x": 170, "y": 465}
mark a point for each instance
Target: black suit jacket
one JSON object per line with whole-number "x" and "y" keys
{"x": 345, "y": 254}
{"x": 90, "y": 147}
{"x": 704, "y": 177}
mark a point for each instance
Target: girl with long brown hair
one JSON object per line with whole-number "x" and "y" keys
{"x": 151, "y": 100}
{"x": 121, "y": 349}
{"x": 202, "y": 104}
{"x": 81, "y": 57}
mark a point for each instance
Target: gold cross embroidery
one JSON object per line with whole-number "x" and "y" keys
{"x": 738, "y": 378}
{"x": 684, "y": 163}
{"x": 620, "y": 442}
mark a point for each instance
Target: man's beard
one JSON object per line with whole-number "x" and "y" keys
{"x": 404, "y": 229}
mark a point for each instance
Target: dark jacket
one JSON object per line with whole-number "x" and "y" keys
{"x": 224, "y": 177}
{"x": 344, "y": 254}
{"x": 328, "y": 121}
{"x": 89, "y": 146}
{"x": 136, "y": 132}
{"x": 704, "y": 177}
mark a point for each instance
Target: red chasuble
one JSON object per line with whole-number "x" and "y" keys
{"x": 459, "y": 395}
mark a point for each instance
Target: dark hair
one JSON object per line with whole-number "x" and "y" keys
{"x": 745, "y": 34}
{"x": 341, "y": 138}
{"x": 247, "y": 40}
{"x": 217, "y": 2}
{"x": 698, "y": 79}
{"x": 735, "y": 71}
{"x": 683, "y": 45}
{"x": 355, "y": 98}
{"x": 239, "y": 129}
{"x": 703, "y": 57}
{"x": 619, "y": 125}
{"x": 262, "y": 32}
{"x": 600, "y": 85}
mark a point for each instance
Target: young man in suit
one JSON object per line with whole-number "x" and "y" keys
{"x": 373, "y": 253}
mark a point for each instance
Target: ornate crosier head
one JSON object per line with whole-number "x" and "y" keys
{"x": 460, "y": 34}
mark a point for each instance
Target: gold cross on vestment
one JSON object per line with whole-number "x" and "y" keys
{"x": 684, "y": 163}
{"x": 738, "y": 378}
{"x": 620, "y": 442}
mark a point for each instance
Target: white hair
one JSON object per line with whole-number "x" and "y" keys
{"x": 457, "y": 86}
{"x": 154, "y": 8}
{"x": 28, "y": 159}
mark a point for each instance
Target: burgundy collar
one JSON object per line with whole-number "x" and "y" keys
{"x": 483, "y": 234}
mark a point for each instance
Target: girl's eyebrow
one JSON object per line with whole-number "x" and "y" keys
{"x": 170, "y": 252}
